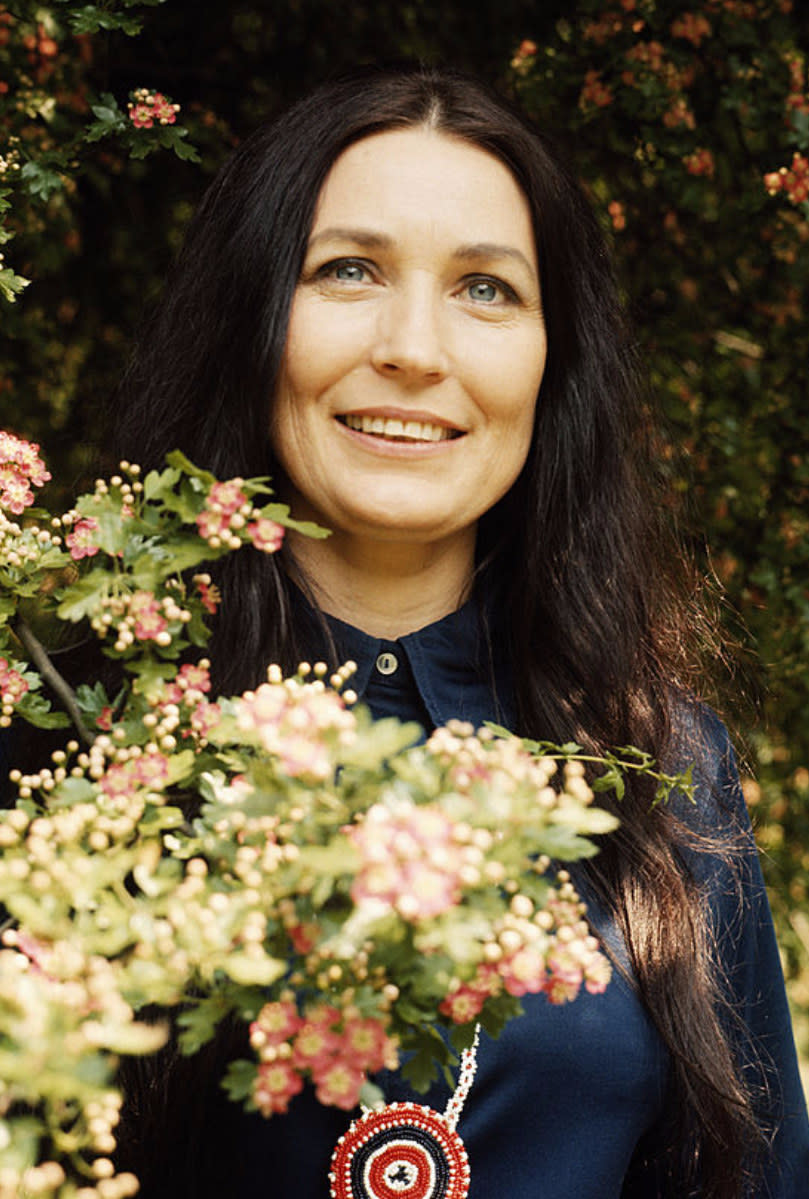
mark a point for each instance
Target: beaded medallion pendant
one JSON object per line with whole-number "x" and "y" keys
{"x": 406, "y": 1151}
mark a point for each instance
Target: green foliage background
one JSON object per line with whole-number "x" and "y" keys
{"x": 673, "y": 114}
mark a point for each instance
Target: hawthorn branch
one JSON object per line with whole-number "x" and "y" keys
{"x": 39, "y": 656}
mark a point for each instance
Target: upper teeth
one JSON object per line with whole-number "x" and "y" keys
{"x": 416, "y": 430}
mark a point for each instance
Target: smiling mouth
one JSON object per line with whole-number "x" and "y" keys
{"x": 392, "y": 429}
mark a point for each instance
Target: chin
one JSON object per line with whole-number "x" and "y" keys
{"x": 399, "y": 524}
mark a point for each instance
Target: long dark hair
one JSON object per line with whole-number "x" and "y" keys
{"x": 598, "y": 627}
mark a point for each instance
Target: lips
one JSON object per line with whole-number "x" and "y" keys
{"x": 392, "y": 428}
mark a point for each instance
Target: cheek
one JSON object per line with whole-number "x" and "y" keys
{"x": 323, "y": 344}
{"x": 513, "y": 384}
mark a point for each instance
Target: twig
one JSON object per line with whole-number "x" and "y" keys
{"x": 52, "y": 677}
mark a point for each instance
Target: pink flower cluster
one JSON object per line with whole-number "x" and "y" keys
{"x": 12, "y": 688}
{"x": 188, "y": 690}
{"x": 700, "y": 162}
{"x": 335, "y": 1049}
{"x": 595, "y": 93}
{"x": 146, "y": 617}
{"x": 298, "y": 723}
{"x": 146, "y": 107}
{"x": 21, "y": 468}
{"x": 208, "y": 592}
{"x": 147, "y": 772}
{"x": 139, "y": 616}
{"x": 228, "y": 515}
{"x": 797, "y": 99}
{"x": 679, "y": 113}
{"x": 477, "y": 759}
{"x": 612, "y": 22}
{"x": 412, "y": 859}
{"x": 691, "y": 26}
{"x": 524, "y": 56}
{"x": 191, "y": 684}
{"x": 793, "y": 181}
{"x": 550, "y": 951}
{"x": 617, "y": 214}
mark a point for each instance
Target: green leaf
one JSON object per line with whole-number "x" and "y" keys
{"x": 561, "y": 842}
{"x": 109, "y": 119}
{"x": 371, "y": 1095}
{"x": 8, "y": 606}
{"x": 72, "y": 791}
{"x": 41, "y": 180}
{"x": 610, "y": 780}
{"x": 306, "y": 527}
{"x": 158, "y": 484}
{"x": 420, "y": 1070}
{"x": 150, "y": 674}
{"x": 239, "y": 1079}
{"x": 173, "y": 137}
{"x": 184, "y": 465}
{"x": 92, "y": 699}
{"x": 248, "y": 971}
{"x": 37, "y": 711}
{"x": 83, "y": 597}
{"x": 497, "y": 1012}
{"x": 11, "y": 284}
{"x": 462, "y": 1036}
{"x": 499, "y": 730}
{"x": 91, "y": 19}
{"x": 198, "y": 1023}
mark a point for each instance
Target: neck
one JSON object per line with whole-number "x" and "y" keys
{"x": 386, "y": 589}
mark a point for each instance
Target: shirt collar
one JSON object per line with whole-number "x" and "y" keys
{"x": 458, "y": 667}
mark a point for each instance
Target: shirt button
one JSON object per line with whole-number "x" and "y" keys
{"x": 387, "y": 663}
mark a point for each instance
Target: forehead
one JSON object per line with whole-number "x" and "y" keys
{"x": 420, "y": 174}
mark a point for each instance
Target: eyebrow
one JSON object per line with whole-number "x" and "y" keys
{"x": 373, "y": 240}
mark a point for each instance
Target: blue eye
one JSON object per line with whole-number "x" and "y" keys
{"x": 346, "y": 269}
{"x": 485, "y": 290}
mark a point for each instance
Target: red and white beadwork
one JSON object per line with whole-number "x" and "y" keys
{"x": 404, "y": 1151}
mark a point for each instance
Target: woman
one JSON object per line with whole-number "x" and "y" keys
{"x": 396, "y": 302}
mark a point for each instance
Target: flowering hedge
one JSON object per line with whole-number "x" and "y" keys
{"x": 346, "y": 891}
{"x": 690, "y": 129}
{"x": 689, "y": 125}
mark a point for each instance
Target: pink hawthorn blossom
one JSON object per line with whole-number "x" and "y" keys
{"x": 523, "y": 972}
{"x": 338, "y": 1083}
{"x": 148, "y": 107}
{"x": 315, "y": 1044}
{"x": 266, "y": 535}
{"x": 148, "y": 620}
{"x": 366, "y": 1042}
{"x": 298, "y": 722}
{"x": 208, "y": 593}
{"x": 277, "y": 1082}
{"x": 12, "y": 685}
{"x": 226, "y": 497}
{"x": 463, "y": 1004}
{"x": 409, "y": 859}
{"x": 80, "y": 541}
{"x": 21, "y": 468}
{"x": 276, "y": 1023}
{"x": 204, "y": 718}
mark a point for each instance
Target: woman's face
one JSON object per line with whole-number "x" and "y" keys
{"x": 416, "y": 343}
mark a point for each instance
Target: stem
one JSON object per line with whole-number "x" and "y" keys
{"x": 52, "y": 677}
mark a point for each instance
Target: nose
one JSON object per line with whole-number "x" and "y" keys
{"x": 410, "y": 340}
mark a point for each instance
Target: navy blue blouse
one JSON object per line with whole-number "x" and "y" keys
{"x": 568, "y": 1101}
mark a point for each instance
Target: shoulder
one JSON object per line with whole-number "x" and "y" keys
{"x": 712, "y": 830}
{"x": 701, "y": 741}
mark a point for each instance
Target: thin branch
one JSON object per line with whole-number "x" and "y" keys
{"x": 52, "y": 677}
